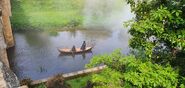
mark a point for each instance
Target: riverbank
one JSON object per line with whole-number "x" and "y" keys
{"x": 79, "y": 82}
{"x": 74, "y": 83}
{"x": 44, "y": 15}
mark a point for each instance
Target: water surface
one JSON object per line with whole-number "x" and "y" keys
{"x": 36, "y": 56}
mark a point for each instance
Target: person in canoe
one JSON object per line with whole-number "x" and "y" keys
{"x": 83, "y": 47}
{"x": 73, "y": 49}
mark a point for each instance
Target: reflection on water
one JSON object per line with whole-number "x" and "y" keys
{"x": 36, "y": 56}
{"x": 73, "y": 55}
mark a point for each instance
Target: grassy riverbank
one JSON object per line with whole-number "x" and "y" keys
{"x": 41, "y": 14}
{"x": 79, "y": 82}
{"x": 74, "y": 83}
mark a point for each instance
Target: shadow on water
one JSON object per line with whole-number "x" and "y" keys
{"x": 37, "y": 39}
{"x": 11, "y": 55}
{"x": 96, "y": 34}
{"x": 73, "y": 33}
{"x": 73, "y": 55}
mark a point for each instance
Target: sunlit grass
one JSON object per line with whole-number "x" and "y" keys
{"x": 48, "y": 14}
{"x": 79, "y": 82}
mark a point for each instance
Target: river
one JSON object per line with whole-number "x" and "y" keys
{"x": 36, "y": 56}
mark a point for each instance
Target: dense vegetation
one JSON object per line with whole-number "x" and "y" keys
{"x": 158, "y": 46}
{"x": 130, "y": 71}
{"x": 41, "y": 14}
{"x": 158, "y": 42}
{"x": 80, "y": 82}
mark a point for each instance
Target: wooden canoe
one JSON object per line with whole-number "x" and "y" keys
{"x": 78, "y": 50}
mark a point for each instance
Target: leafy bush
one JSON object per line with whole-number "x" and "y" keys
{"x": 129, "y": 71}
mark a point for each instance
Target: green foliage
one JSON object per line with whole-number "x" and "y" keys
{"x": 79, "y": 82}
{"x": 158, "y": 36}
{"x": 42, "y": 85}
{"x": 158, "y": 22}
{"x": 109, "y": 78}
{"x": 159, "y": 31}
{"x": 128, "y": 71}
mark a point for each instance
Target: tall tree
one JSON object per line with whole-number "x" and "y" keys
{"x": 159, "y": 27}
{"x": 158, "y": 37}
